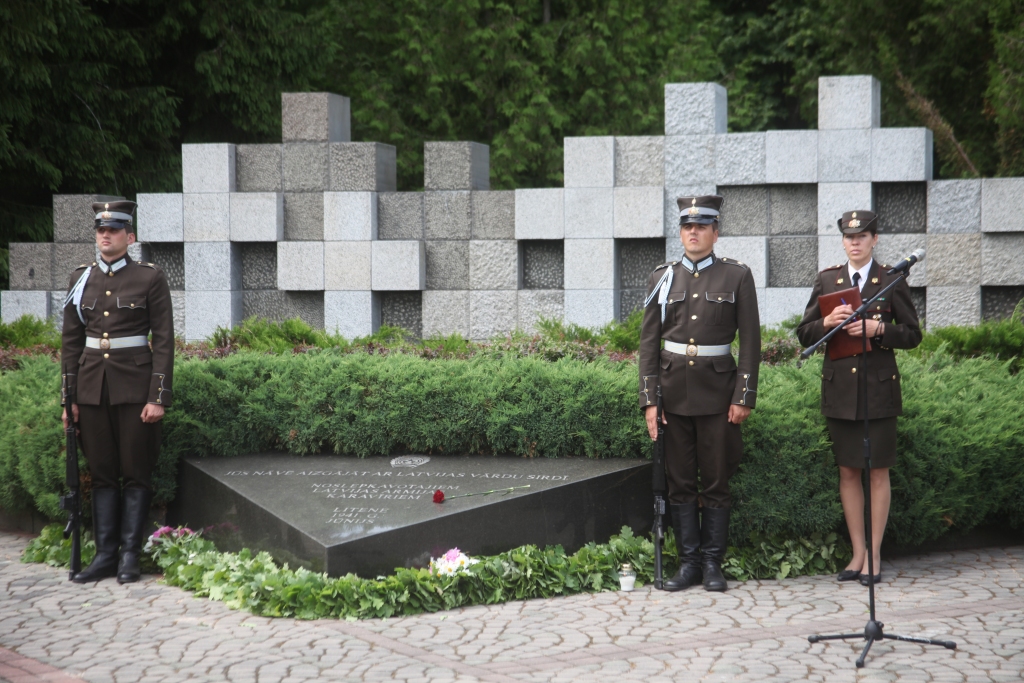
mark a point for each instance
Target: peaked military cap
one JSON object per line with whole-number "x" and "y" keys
{"x": 853, "y": 222}
{"x": 117, "y": 215}
{"x": 701, "y": 210}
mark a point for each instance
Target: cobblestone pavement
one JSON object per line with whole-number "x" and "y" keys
{"x": 52, "y": 630}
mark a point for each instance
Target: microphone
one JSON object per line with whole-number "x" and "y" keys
{"x": 907, "y": 262}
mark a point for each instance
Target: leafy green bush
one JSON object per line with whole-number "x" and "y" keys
{"x": 1002, "y": 339}
{"x": 28, "y": 331}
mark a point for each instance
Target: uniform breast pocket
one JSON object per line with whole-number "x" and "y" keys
{"x": 722, "y": 308}
{"x": 88, "y": 304}
{"x": 674, "y": 307}
{"x": 131, "y": 302}
{"x": 881, "y": 310}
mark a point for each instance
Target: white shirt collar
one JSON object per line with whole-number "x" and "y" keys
{"x": 863, "y": 272}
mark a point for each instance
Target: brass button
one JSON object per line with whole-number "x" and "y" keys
{"x": 746, "y": 376}
{"x": 106, "y": 313}
{"x": 741, "y": 401}
{"x": 719, "y": 298}
{"x": 853, "y": 370}
{"x": 106, "y": 355}
{"x": 131, "y": 305}
{"x": 894, "y": 376}
{"x": 696, "y": 274}
{"x": 693, "y": 317}
{"x": 692, "y": 342}
{"x": 158, "y": 400}
{"x": 694, "y": 296}
{"x": 106, "y": 334}
{"x": 111, "y": 273}
{"x": 108, "y": 292}
{"x": 671, "y": 301}
{"x": 691, "y": 362}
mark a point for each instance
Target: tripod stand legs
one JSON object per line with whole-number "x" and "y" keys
{"x": 872, "y": 632}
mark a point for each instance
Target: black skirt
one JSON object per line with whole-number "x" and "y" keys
{"x": 848, "y": 442}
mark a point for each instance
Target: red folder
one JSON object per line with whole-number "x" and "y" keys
{"x": 842, "y": 345}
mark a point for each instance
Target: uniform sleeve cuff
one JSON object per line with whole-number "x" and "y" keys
{"x": 159, "y": 391}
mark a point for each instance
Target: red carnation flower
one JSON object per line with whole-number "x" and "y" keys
{"x": 439, "y": 496}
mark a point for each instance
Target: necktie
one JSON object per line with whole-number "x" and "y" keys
{"x": 856, "y": 280}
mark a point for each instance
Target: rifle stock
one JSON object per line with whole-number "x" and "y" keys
{"x": 72, "y": 501}
{"x": 659, "y": 486}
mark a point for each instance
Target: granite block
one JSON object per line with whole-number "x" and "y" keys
{"x": 160, "y": 217}
{"x": 999, "y": 303}
{"x": 630, "y": 300}
{"x": 1002, "y": 259}
{"x": 589, "y": 213}
{"x": 212, "y": 266}
{"x": 689, "y": 160}
{"x": 537, "y": 304}
{"x": 67, "y": 257}
{"x": 830, "y": 251}
{"x": 891, "y": 248}
{"x": 901, "y": 207}
{"x": 305, "y": 167}
{"x": 31, "y": 266}
{"x": 750, "y": 251}
{"x": 258, "y": 168}
{"x": 639, "y": 212}
{"x": 1002, "y": 205}
{"x": 791, "y": 156}
{"x": 73, "y": 217}
{"x": 782, "y": 303}
{"x": 953, "y": 259}
{"x": 792, "y": 261}
{"x": 590, "y": 264}
{"x": 351, "y": 314}
{"x": 740, "y": 159}
{"x": 695, "y": 109}
{"x": 402, "y": 309}
{"x": 849, "y": 102}
{"x": 137, "y": 251}
{"x": 639, "y": 161}
{"x": 207, "y": 217}
{"x": 448, "y": 215}
{"x": 178, "y": 311}
{"x": 400, "y": 215}
{"x": 835, "y": 199}
{"x": 954, "y": 206}
{"x": 542, "y": 264}
{"x": 300, "y": 266}
{"x": 56, "y": 307}
{"x": 793, "y": 209}
{"x": 259, "y": 265}
{"x": 593, "y": 308}
{"x": 277, "y": 306}
{"x": 170, "y": 257}
{"x": 315, "y": 117}
{"x": 493, "y": 264}
{"x": 491, "y": 313}
{"x": 363, "y": 167}
{"x": 671, "y": 204}
{"x": 844, "y": 156}
{"x": 205, "y": 311}
{"x": 446, "y": 312}
{"x": 398, "y": 266}
{"x": 636, "y": 260}
{"x": 456, "y": 166}
{"x": 953, "y": 305}
{"x": 589, "y": 161}
{"x": 901, "y": 155}
{"x": 13, "y": 305}
{"x": 347, "y": 266}
{"x": 744, "y": 210}
{"x": 540, "y": 214}
{"x": 303, "y": 216}
{"x": 919, "y": 298}
{"x": 350, "y": 216}
{"x": 494, "y": 215}
{"x": 447, "y": 264}
{"x": 208, "y": 168}
{"x": 257, "y": 216}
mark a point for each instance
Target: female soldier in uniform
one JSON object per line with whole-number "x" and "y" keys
{"x": 891, "y": 324}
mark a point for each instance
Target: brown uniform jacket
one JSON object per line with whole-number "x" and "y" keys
{"x": 704, "y": 307}
{"x": 132, "y": 301}
{"x": 839, "y": 385}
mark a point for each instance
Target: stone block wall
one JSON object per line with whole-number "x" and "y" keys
{"x": 314, "y": 226}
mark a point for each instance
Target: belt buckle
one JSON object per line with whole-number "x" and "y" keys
{"x": 691, "y": 349}
{"x": 104, "y": 344}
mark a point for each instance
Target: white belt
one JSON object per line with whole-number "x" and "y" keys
{"x": 694, "y": 350}
{"x": 119, "y": 343}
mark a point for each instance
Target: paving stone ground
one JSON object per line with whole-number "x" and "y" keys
{"x": 52, "y": 630}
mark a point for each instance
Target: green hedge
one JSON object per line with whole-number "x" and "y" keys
{"x": 961, "y": 441}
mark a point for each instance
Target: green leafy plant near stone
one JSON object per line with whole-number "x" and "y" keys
{"x": 256, "y": 583}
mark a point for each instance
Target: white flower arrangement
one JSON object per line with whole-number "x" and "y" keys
{"x": 451, "y": 563}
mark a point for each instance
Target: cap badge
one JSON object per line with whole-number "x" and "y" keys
{"x": 694, "y": 211}
{"x": 854, "y": 223}
{"x": 853, "y": 215}
{"x": 106, "y": 206}
{"x": 106, "y": 214}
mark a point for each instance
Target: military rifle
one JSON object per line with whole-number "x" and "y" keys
{"x": 659, "y": 485}
{"x": 72, "y": 501}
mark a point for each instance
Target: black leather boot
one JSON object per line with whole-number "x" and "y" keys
{"x": 106, "y": 528}
{"x": 133, "y": 531}
{"x": 687, "y": 528}
{"x": 714, "y": 535}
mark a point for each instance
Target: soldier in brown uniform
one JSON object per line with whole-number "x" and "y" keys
{"x": 121, "y": 383}
{"x": 892, "y": 325}
{"x": 693, "y": 310}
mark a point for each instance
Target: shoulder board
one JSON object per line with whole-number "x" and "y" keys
{"x": 886, "y": 267}
{"x": 734, "y": 262}
{"x": 84, "y": 265}
{"x": 840, "y": 265}
{"x": 148, "y": 265}
{"x": 666, "y": 265}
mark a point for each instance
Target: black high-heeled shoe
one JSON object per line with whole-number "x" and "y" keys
{"x": 864, "y": 579}
{"x": 848, "y": 575}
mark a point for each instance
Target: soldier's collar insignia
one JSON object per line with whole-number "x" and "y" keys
{"x": 699, "y": 266}
{"x": 113, "y": 267}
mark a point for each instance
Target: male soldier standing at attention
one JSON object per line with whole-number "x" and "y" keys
{"x": 121, "y": 384}
{"x": 696, "y": 306}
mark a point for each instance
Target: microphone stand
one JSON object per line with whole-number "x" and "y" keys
{"x": 873, "y": 631}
